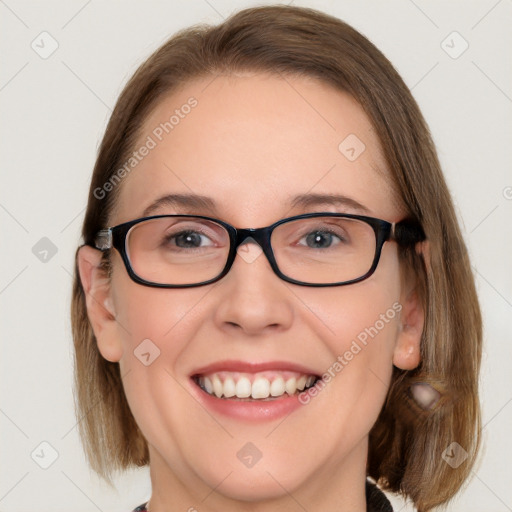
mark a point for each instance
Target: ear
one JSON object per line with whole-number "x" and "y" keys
{"x": 412, "y": 319}
{"x": 100, "y": 308}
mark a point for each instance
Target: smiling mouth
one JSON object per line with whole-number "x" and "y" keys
{"x": 263, "y": 386}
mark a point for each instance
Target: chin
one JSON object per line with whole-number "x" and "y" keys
{"x": 254, "y": 485}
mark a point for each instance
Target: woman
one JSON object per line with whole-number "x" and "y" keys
{"x": 297, "y": 365}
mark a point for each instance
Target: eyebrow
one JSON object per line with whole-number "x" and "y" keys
{"x": 308, "y": 200}
{"x": 194, "y": 202}
{"x": 183, "y": 201}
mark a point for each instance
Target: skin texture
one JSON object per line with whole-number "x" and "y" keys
{"x": 252, "y": 142}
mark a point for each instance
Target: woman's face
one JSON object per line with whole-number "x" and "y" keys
{"x": 251, "y": 144}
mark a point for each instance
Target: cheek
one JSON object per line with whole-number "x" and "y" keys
{"x": 359, "y": 312}
{"x": 154, "y": 327}
{"x": 145, "y": 312}
{"x": 359, "y": 328}
{"x": 359, "y": 325}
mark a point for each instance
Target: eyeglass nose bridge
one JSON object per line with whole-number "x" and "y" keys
{"x": 259, "y": 235}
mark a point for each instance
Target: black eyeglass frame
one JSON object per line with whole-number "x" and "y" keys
{"x": 406, "y": 233}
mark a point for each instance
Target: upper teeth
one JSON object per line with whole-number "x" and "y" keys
{"x": 242, "y": 385}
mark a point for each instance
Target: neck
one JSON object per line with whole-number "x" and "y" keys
{"x": 334, "y": 486}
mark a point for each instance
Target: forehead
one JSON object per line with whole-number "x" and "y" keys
{"x": 251, "y": 142}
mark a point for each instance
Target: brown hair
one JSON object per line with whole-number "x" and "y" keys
{"x": 407, "y": 442}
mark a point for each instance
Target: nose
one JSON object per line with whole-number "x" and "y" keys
{"x": 252, "y": 299}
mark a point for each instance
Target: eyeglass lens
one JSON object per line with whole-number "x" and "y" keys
{"x": 316, "y": 250}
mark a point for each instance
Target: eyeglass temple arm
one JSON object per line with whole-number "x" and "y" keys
{"x": 103, "y": 239}
{"x": 407, "y": 232}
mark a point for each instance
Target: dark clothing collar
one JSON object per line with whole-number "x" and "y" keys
{"x": 376, "y": 500}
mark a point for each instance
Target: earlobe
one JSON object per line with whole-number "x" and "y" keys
{"x": 407, "y": 353}
{"x": 100, "y": 308}
{"x": 407, "y": 348}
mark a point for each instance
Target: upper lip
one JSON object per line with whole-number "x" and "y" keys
{"x": 251, "y": 367}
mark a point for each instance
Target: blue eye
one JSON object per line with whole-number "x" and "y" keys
{"x": 188, "y": 239}
{"x": 323, "y": 238}
{"x": 320, "y": 239}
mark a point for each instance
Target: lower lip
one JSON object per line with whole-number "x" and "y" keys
{"x": 254, "y": 410}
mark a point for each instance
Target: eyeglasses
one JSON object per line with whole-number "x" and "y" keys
{"x": 312, "y": 249}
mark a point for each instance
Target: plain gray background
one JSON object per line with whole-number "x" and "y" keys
{"x": 53, "y": 114}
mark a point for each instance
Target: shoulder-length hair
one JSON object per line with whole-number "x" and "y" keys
{"x": 407, "y": 442}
